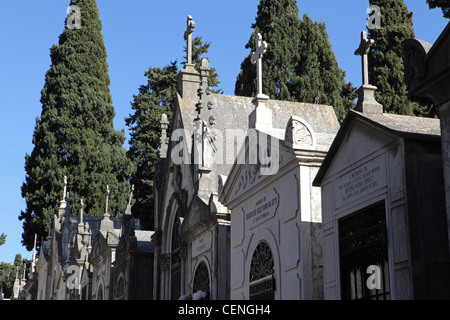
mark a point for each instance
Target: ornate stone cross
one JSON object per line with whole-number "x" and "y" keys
{"x": 65, "y": 188}
{"x": 366, "y": 93}
{"x": 107, "y": 200}
{"x": 188, "y": 37}
{"x": 256, "y": 58}
{"x": 81, "y": 210}
{"x": 363, "y": 51}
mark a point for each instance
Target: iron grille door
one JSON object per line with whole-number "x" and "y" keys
{"x": 262, "y": 281}
{"x": 363, "y": 243}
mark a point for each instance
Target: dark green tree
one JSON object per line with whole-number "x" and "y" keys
{"x": 155, "y": 97}
{"x": 8, "y": 273}
{"x": 75, "y": 135}
{"x": 443, "y": 4}
{"x": 299, "y": 64}
{"x": 7, "y": 277}
{"x": 318, "y": 78}
{"x": 386, "y": 70}
{"x": 348, "y": 96}
{"x": 199, "y": 50}
{"x": 2, "y": 239}
{"x": 278, "y": 23}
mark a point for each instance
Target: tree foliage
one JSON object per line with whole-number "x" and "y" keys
{"x": 75, "y": 135}
{"x": 299, "y": 64}
{"x": 443, "y": 4}
{"x": 386, "y": 70}
{"x": 155, "y": 97}
{"x": 8, "y": 273}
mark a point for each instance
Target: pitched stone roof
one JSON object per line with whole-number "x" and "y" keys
{"x": 94, "y": 224}
{"x": 232, "y": 112}
{"x": 408, "y": 127}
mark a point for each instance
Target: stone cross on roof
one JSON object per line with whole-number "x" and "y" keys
{"x": 65, "y": 188}
{"x": 188, "y": 37}
{"x": 81, "y": 210}
{"x": 163, "y": 140}
{"x": 363, "y": 51}
{"x": 128, "y": 209}
{"x": 107, "y": 200}
{"x": 366, "y": 93}
{"x": 256, "y": 58}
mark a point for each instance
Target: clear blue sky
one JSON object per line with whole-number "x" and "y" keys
{"x": 139, "y": 34}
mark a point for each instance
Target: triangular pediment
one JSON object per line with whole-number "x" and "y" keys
{"x": 248, "y": 174}
{"x": 356, "y": 140}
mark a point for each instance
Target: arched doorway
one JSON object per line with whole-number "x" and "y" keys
{"x": 262, "y": 271}
{"x": 201, "y": 278}
{"x": 120, "y": 290}
{"x": 175, "y": 260}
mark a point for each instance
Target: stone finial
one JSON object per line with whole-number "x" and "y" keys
{"x": 33, "y": 259}
{"x": 204, "y": 91}
{"x": 256, "y": 58}
{"x": 81, "y": 224}
{"x": 164, "y": 140}
{"x": 64, "y": 200}
{"x": 107, "y": 201}
{"x": 65, "y": 188}
{"x": 188, "y": 37}
{"x": 203, "y": 138}
{"x": 106, "y": 223}
{"x": 81, "y": 210}
{"x": 49, "y": 228}
{"x": 128, "y": 210}
{"x": 204, "y": 72}
{"x": 366, "y": 93}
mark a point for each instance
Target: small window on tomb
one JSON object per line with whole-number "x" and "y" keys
{"x": 120, "y": 291}
{"x": 201, "y": 278}
{"x": 262, "y": 281}
{"x": 363, "y": 253}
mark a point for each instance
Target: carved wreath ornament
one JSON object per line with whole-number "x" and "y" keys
{"x": 299, "y": 134}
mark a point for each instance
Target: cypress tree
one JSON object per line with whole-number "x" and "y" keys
{"x": 156, "y": 97}
{"x": 299, "y": 64}
{"x": 75, "y": 135}
{"x": 278, "y": 23}
{"x": 443, "y": 4}
{"x": 386, "y": 70}
{"x": 318, "y": 78}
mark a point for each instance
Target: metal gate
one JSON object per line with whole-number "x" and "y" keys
{"x": 262, "y": 280}
{"x": 363, "y": 243}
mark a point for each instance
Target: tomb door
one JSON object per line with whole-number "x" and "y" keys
{"x": 175, "y": 261}
{"x": 120, "y": 291}
{"x": 363, "y": 252}
{"x": 262, "y": 270}
{"x": 201, "y": 278}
